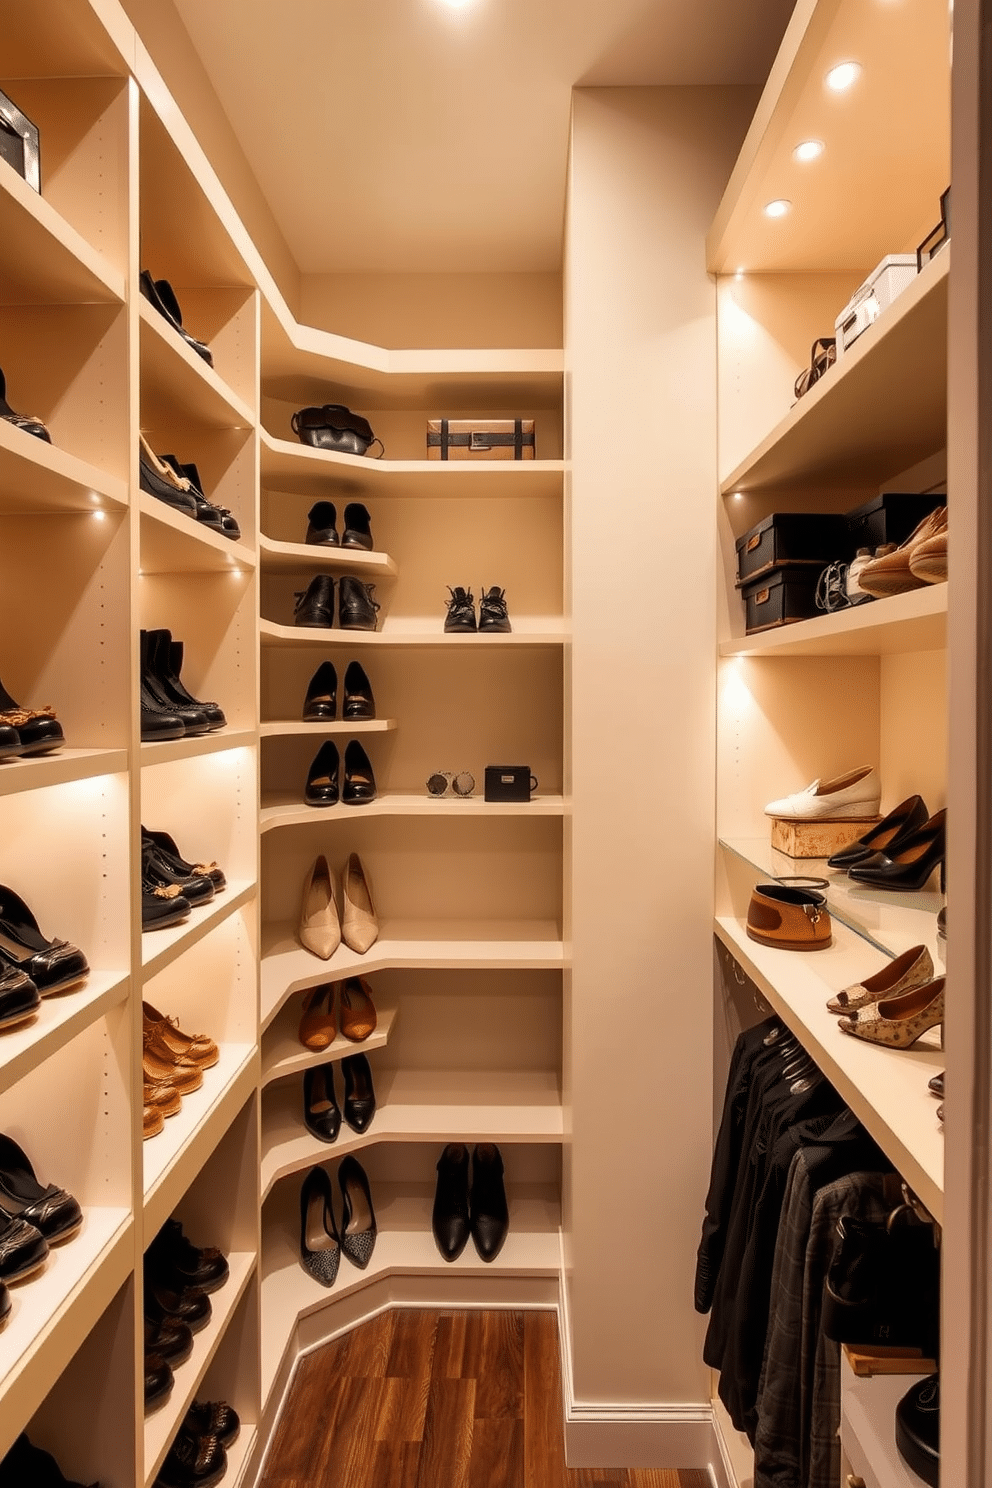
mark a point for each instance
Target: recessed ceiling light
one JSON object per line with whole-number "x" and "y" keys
{"x": 457, "y": 4}
{"x": 842, "y": 76}
{"x": 778, "y": 208}
{"x": 808, "y": 150}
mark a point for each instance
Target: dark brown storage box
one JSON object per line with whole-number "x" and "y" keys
{"x": 890, "y": 518}
{"x": 781, "y": 596}
{"x": 793, "y": 537}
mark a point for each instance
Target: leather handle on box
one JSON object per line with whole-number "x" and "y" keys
{"x": 753, "y": 542}
{"x": 762, "y": 596}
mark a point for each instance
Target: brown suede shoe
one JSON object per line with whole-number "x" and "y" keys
{"x": 892, "y": 573}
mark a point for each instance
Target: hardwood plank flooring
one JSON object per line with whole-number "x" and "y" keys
{"x": 423, "y": 1399}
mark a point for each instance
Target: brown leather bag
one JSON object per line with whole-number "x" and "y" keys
{"x": 788, "y": 918}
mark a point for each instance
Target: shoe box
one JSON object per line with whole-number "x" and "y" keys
{"x": 780, "y": 560}
{"x": 891, "y": 517}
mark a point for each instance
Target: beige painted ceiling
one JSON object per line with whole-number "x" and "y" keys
{"x": 406, "y": 136}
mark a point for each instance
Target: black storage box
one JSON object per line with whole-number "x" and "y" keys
{"x": 781, "y": 596}
{"x": 793, "y": 537}
{"x": 890, "y": 518}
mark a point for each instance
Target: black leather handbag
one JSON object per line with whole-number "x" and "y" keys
{"x": 19, "y": 142}
{"x": 334, "y": 427}
{"x": 883, "y": 1285}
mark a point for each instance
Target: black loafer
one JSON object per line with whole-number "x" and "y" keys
{"x": 321, "y": 1115}
{"x": 10, "y": 742}
{"x": 315, "y": 604}
{"x": 169, "y": 852}
{"x": 449, "y": 1219}
{"x": 161, "y": 907}
{"x": 490, "y": 1218}
{"x": 159, "y": 292}
{"x": 53, "y": 965}
{"x": 322, "y": 779}
{"x": 19, "y": 997}
{"x": 182, "y": 1263}
{"x": 159, "y": 1381}
{"x": 51, "y": 1210}
{"x": 189, "y": 1305}
{"x": 322, "y": 525}
{"x": 23, "y": 1249}
{"x": 170, "y": 1339}
{"x": 358, "y": 699}
{"x": 197, "y": 888}
{"x": 359, "y": 781}
{"x": 38, "y": 732}
{"x": 357, "y": 527}
{"x": 321, "y": 701}
{"x": 193, "y": 1462}
{"x": 359, "y": 1092}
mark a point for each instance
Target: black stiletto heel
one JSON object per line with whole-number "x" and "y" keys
{"x": 913, "y": 858}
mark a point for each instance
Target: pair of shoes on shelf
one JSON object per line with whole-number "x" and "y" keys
{"x": 493, "y": 616}
{"x": 323, "y": 787}
{"x": 856, "y": 793}
{"x": 31, "y": 966}
{"x": 461, "y": 1209}
{"x": 33, "y": 1216}
{"x": 322, "y": 1239}
{"x": 901, "y": 852}
{"x": 198, "y": 1455}
{"x": 168, "y": 709}
{"x": 321, "y": 1113}
{"x": 171, "y": 887}
{"x": 180, "y": 486}
{"x": 172, "y": 1064}
{"x": 322, "y": 526}
{"x": 357, "y": 609}
{"x": 160, "y": 294}
{"x": 321, "y": 928}
{"x": 27, "y": 1464}
{"x": 897, "y": 1021}
{"x": 19, "y": 420}
{"x": 25, "y": 732}
{"x": 920, "y": 560}
{"x": 318, "y": 1027}
{"x": 321, "y": 702}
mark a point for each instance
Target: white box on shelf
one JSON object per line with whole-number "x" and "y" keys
{"x": 894, "y": 274}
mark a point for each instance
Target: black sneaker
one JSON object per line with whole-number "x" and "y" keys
{"x": 492, "y": 610}
{"x": 461, "y": 612}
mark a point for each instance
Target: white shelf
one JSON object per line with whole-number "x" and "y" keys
{"x": 68, "y": 765}
{"x": 38, "y": 477}
{"x": 283, "y": 1054}
{"x": 172, "y": 1159}
{"x": 282, "y": 811}
{"x": 890, "y": 922}
{"x": 159, "y": 948}
{"x": 162, "y": 1425}
{"x": 529, "y": 630}
{"x": 463, "y": 945}
{"x": 56, "y": 1023}
{"x": 286, "y": 557}
{"x": 885, "y": 1088}
{"x": 898, "y": 369}
{"x": 867, "y": 1425}
{"x": 44, "y": 260}
{"x": 312, "y": 472}
{"x": 916, "y": 621}
{"x": 171, "y": 542}
{"x": 281, "y": 728}
{"x": 167, "y": 750}
{"x": 404, "y": 1247}
{"x": 418, "y": 1106}
{"x": 178, "y": 384}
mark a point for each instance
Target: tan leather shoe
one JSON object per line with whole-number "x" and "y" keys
{"x": 787, "y": 918}
{"x": 899, "y": 1021}
{"x": 929, "y": 559}
{"x": 159, "y": 1063}
{"x": 317, "y": 1026}
{"x": 320, "y": 928}
{"x": 892, "y": 573}
{"x": 359, "y": 928}
{"x": 163, "y": 1096}
{"x": 201, "y": 1049}
{"x": 911, "y": 969}
{"x": 152, "y": 1122}
{"x": 358, "y": 1016}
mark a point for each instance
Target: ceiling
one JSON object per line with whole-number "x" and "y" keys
{"x": 394, "y": 136}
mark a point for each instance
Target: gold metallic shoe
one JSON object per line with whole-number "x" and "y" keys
{"x": 899, "y": 1021}
{"x": 196, "y": 1046}
{"x": 359, "y": 928}
{"x": 320, "y": 928}
{"x": 911, "y": 969}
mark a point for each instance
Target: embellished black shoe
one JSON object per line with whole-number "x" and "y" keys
{"x": 320, "y": 1245}
{"x": 51, "y": 1210}
{"x": 167, "y": 657}
{"x": 460, "y": 619}
{"x": 358, "y": 1227}
{"x": 357, "y": 608}
{"x": 38, "y": 730}
{"x": 159, "y": 1381}
{"x": 157, "y": 869}
{"x": 315, "y": 604}
{"x": 359, "y": 1092}
{"x": 217, "y": 518}
{"x": 177, "y": 1259}
{"x": 321, "y": 702}
{"x": 23, "y": 1249}
{"x": 321, "y": 1115}
{"x": 156, "y": 477}
{"x": 322, "y": 525}
{"x": 213, "y": 1418}
{"x": 19, "y": 997}
{"x": 169, "y": 852}
{"x": 162, "y": 906}
{"x": 188, "y": 1305}
{"x": 19, "y": 420}
{"x": 53, "y": 965}
{"x": 357, "y": 527}
{"x": 358, "y": 699}
{"x": 322, "y": 780}
{"x": 449, "y": 1219}
{"x": 490, "y": 1217}
{"x": 193, "y": 1462}
{"x": 359, "y": 781}
{"x": 492, "y": 610}
{"x": 193, "y": 719}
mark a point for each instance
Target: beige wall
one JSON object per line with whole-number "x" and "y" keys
{"x": 647, "y": 170}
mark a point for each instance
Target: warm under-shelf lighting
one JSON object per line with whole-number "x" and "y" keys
{"x": 809, "y": 150}
{"x": 98, "y": 515}
{"x": 840, "y": 78}
{"x": 778, "y": 208}
{"x": 738, "y": 495}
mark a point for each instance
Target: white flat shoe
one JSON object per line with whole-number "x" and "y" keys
{"x": 359, "y": 926}
{"x": 858, "y": 793}
{"x": 320, "y": 928}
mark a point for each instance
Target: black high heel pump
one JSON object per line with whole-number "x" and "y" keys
{"x": 913, "y": 858}
{"x": 904, "y": 818}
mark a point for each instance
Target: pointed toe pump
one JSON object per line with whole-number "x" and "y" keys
{"x": 898, "y": 1022}
{"x": 322, "y": 781}
{"x": 320, "y": 1245}
{"x": 911, "y": 969}
{"x": 321, "y": 1113}
{"x": 359, "y": 926}
{"x": 359, "y": 1092}
{"x": 320, "y": 927}
{"x": 358, "y": 1227}
{"x": 359, "y": 781}
{"x": 321, "y": 701}
{"x": 905, "y": 818}
{"x": 358, "y": 700}
{"x": 909, "y": 861}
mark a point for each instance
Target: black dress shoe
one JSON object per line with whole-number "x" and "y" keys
{"x": 909, "y": 861}
{"x": 357, "y": 527}
{"x": 359, "y": 1092}
{"x": 19, "y": 997}
{"x": 358, "y": 1227}
{"x": 449, "y": 1219}
{"x": 322, "y": 779}
{"x": 460, "y": 619}
{"x": 217, "y": 518}
{"x": 23, "y": 1249}
{"x": 357, "y": 608}
{"x": 38, "y": 732}
{"x": 194, "y": 720}
{"x": 190, "y": 1305}
{"x": 168, "y": 662}
{"x": 315, "y": 604}
{"x": 490, "y": 1218}
{"x": 19, "y": 420}
{"x": 322, "y": 525}
{"x": 170, "y": 1339}
{"x": 179, "y": 1261}
{"x": 906, "y": 817}
{"x": 159, "y": 1381}
{"x": 53, "y": 965}
{"x": 936, "y": 1084}
{"x": 158, "y": 723}
{"x": 5, "y": 1306}
{"x": 27, "y": 1464}
{"x": 169, "y": 852}
{"x": 162, "y": 487}
{"x": 156, "y": 869}
{"x": 358, "y": 699}
{"x": 193, "y": 1462}
{"x": 918, "y": 1428}
{"x": 359, "y": 781}
{"x": 492, "y": 610}
{"x": 10, "y": 742}
{"x": 159, "y": 292}
{"x": 321, "y": 1115}
{"x": 51, "y": 1210}
{"x": 321, "y": 702}
{"x": 162, "y": 906}
{"x": 320, "y": 1244}
{"x": 213, "y": 1418}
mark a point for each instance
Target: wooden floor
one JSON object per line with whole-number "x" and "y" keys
{"x": 421, "y": 1399}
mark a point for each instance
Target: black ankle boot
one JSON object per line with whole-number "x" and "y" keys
{"x": 193, "y": 720}
{"x": 167, "y": 663}
{"x": 449, "y": 1220}
{"x": 315, "y": 604}
{"x": 322, "y": 529}
{"x": 358, "y": 699}
{"x": 356, "y": 607}
{"x": 490, "y": 1217}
